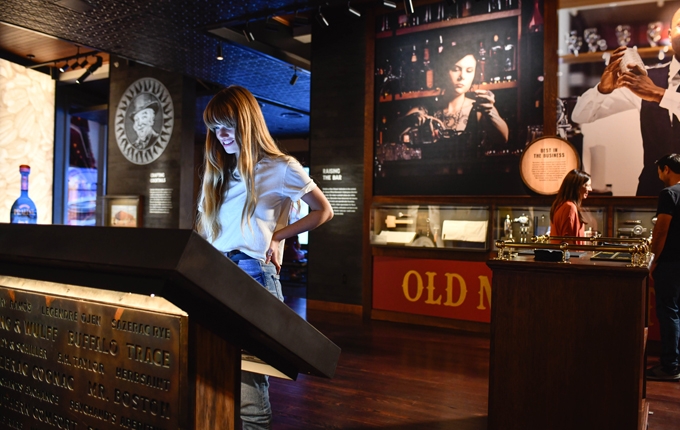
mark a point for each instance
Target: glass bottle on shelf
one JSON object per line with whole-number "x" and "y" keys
{"x": 507, "y": 228}
{"x": 536, "y": 23}
{"x": 510, "y": 60}
{"x": 427, "y": 68}
{"x": 465, "y": 8}
{"x": 496, "y": 59}
{"x": 481, "y": 62}
{"x": 23, "y": 210}
{"x": 412, "y": 72}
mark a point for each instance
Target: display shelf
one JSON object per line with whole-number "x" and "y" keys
{"x": 596, "y": 57}
{"x": 459, "y": 21}
{"x": 437, "y": 92}
{"x": 431, "y": 226}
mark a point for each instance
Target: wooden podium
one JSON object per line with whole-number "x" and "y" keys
{"x": 567, "y": 345}
{"x": 227, "y": 312}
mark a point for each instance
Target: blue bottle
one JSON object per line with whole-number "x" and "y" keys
{"x": 23, "y": 209}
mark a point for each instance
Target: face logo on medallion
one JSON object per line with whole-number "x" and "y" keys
{"x": 144, "y": 120}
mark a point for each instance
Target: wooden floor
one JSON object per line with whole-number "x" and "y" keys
{"x": 404, "y": 377}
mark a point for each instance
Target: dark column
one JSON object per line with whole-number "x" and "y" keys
{"x": 336, "y": 156}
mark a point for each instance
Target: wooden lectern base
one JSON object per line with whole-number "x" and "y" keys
{"x": 215, "y": 368}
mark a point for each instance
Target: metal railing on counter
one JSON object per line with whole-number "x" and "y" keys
{"x": 639, "y": 248}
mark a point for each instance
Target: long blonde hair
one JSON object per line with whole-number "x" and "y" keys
{"x": 233, "y": 107}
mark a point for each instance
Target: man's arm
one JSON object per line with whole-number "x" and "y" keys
{"x": 663, "y": 222}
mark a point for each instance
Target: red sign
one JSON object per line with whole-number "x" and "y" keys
{"x": 441, "y": 288}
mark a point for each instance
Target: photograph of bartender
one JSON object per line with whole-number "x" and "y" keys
{"x": 653, "y": 93}
{"x": 463, "y": 109}
{"x": 665, "y": 269}
{"x": 566, "y": 214}
{"x": 247, "y": 190}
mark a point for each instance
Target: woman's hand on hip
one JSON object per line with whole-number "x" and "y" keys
{"x": 272, "y": 254}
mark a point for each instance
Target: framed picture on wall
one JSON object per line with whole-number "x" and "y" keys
{"x": 457, "y": 89}
{"x": 122, "y": 211}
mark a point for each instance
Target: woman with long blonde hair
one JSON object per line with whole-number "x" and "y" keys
{"x": 247, "y": 191}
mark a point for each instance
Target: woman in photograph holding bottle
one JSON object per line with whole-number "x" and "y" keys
{"x": 467, "y": 109}
{"x": 566, "y": 215}
{"x": 464, "y": 110}
{"x": 247, "y": 191}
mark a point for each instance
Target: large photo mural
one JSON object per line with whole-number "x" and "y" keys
{"x": 459, "y": 94}
{"x": 622, "y": 123}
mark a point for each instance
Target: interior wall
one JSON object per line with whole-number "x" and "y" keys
{"x": 336, "y": 142}
{"x": 26, "y": 137}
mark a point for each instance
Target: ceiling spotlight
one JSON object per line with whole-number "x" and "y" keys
{"x": 352, "y": 10}
{"x": 90, "y": 70}
{"x": 408, "y": 4}
{"x": 294, "y": 79}
{"x": 248, "y": 34}
{"x": 220, "y": 54}
{"x": 322, "y": 19}
{"x": 64, "y": 68}
{"x": 84, "y": 63}
{"x": 75, "y": 64}
{"x": 389, "y": 3}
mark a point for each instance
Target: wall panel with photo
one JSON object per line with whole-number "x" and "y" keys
{"x": 458, "y": 96}
{"x": 621, "y": 133}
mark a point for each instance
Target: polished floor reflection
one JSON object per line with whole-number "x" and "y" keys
{"x": 405, "y": 377}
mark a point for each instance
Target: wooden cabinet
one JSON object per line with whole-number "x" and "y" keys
{"x": 567, "y": 346}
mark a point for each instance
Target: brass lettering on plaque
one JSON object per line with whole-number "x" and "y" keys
{"x": 68, "y": 363}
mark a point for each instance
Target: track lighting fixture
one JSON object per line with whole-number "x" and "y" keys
{"x": 352, "y": 10}
{"x": 294, "y": 79}
{"x": 84, "y": 63}
{"x": 408, "y": 4}
{"x": 90, "y": 70}
{"x": 220, "y": 54}
{"x": 322, "y": 19}
{"x": 248, "y": 34}
{"x": 64, "y": 68}
{"x": 390, "y": 4}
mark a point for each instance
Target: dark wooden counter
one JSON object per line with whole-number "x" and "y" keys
{"x": 567, "y": 345}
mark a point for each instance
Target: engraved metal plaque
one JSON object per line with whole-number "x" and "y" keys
{"x": 80, "y": 358}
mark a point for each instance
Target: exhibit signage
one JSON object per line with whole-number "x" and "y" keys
{"x": 70, "y": 363}
{"x": 545, "y": 163}
{"x": 441, "y": 288}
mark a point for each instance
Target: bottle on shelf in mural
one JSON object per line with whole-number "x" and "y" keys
{"x": 412, "y": 72}
{"x": 427, "y": 68}
{"x": 536, "y": 23}
{"x": 465, "y": 8}
{"x": 496, "y": 60}
{"x": 510, "y": 60}
{"x": 481, "y": 62}
{"x": 23, "y": 210}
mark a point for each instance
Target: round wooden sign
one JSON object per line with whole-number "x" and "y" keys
{"x": 545, "y": 162}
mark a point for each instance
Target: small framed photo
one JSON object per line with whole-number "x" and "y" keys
{"x": 122, "y": 211}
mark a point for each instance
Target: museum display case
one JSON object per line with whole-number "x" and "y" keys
{"x": 431, "y": 226}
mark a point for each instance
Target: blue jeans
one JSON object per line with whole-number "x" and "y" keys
{"x": 256, "y": 411}
{"x": 667, "y": 289}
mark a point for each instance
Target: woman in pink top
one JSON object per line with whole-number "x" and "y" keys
{"x": 566, "y": 216}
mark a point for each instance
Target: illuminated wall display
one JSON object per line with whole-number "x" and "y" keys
{"x": 26, "y": 137}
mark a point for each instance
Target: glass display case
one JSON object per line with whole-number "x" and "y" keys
{"x": 446, "y": 227}
{"x": 522, "y": 222}
{"x": 634, "y": 222}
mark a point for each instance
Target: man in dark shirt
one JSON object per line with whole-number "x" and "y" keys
{"x": 665, "y": 268}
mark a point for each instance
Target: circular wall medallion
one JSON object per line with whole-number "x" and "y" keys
{"x": 144, "y": 120}
{"x": 545, "y": 163}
